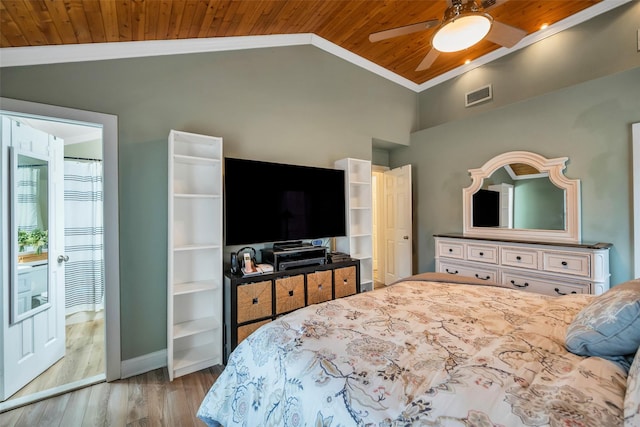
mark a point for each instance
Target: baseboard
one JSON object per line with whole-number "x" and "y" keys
{"x": 141, "y": 364}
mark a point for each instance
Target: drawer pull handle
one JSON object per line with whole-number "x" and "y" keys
{"x": 481, "y": 253}
{"x": 451, "y": 272}
{"x": 450, "y": 250}
{"x": 564, "y": 263}
{"x": 345, "y": 281}
{"x": 255, "y": 301}
{"x": 560, "y": 293}
{"x": 513, "y": 282}
{"x": 320, "y": 286}
{"x": 290, "y": 293}
{"x": 483, "y": 278}
{"x": 519, "y": 258}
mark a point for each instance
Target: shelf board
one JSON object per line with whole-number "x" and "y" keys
{"x": 195, "y": 160}
{"x": 204, "y": 355}
{"x": 192, "y": 327}
{"x": 355, "y": 208}
{"x": 183, "y": 248}
{"x": 196, "y": 196}
{"x": 192, "y": 287}
{"x": 359, "y": 183}
{"x": 361, "y": 235}
{"x": 361, "y": 256}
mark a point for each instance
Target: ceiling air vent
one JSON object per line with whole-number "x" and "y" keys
{"x": 477, "y": 96}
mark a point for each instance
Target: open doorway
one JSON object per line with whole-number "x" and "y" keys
{"x": 90, "y": 312}
{"x": 83, "y": 225}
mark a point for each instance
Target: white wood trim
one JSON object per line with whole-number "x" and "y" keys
{"x": 635, "y": 131}
{"x": 111, "y": 222}
{"x": 145, "y": 363}
{"x": 554, "y": 167}
{"x": 38, "y": 55}
{"x": 361, "y": 62}
{"x": 49, "y": 393}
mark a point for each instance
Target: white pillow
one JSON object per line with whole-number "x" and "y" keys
{"x": 632, "y": 397}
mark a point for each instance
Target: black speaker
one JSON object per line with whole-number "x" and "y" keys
{"x": 235, "y": 266}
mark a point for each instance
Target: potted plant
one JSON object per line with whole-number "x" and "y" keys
{"x": 36, "y": 239}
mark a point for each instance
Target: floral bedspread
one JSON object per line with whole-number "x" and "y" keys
{"x": 420, "y": 354}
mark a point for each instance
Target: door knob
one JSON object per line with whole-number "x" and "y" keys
{"x": 63, "y": 258}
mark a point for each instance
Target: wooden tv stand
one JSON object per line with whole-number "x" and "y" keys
{"x": 252, "y": 301}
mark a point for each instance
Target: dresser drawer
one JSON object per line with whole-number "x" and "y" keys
{"x": 542, "y": 286}
{"x": 254, "y": 301}
{"x": 289, "y": 293}
{"x": 319, "y": 287}
{"x": 482, "y": 253}
{"x": 344, "y": 281}
{"x": 518, "y": 257}
{"x": 564, "y": 262}
{"x": 479, "y": 272}
{"x": 450, "y": 250}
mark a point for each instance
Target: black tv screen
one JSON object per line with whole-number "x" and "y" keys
{"x": 273, "y": 202}
{"x": 486, "y": 208}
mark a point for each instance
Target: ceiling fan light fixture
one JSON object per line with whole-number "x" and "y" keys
{"x": 461, "y": 32}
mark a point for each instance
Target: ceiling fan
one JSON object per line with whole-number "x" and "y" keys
{"x": 465, "y": 23}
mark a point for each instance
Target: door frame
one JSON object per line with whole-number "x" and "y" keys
{"x": 635, "y": 137}
{"x": 111, "y": 220}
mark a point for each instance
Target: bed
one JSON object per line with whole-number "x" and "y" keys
{"x": 424, "y": 352}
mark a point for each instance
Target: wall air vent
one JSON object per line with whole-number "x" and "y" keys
{"x": 477, "y": 96}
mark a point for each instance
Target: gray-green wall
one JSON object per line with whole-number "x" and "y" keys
{"x": 573, "y": 94}
{"x": 292, "y": 105}
{"x": 604, "y": 45}
{"x": 590, "y": 123}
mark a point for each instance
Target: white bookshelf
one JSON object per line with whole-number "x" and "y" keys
{"x": 359, "y": 240}
{"x": 194, "y": 267}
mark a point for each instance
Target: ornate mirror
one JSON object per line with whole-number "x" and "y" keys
{"x": 522, "y": 195}
{"x": 30, "y": 288}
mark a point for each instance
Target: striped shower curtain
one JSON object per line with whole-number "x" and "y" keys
{"x": 83, "y": 236}
{"x": 28, "y": 213}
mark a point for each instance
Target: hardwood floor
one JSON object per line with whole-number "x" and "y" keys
{"x": 144, "y": 400}
{"x": 84, "y": 358}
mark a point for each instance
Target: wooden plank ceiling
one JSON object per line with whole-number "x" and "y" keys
{"x": 344, "y": 23}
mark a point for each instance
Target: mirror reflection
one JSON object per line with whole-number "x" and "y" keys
{"x": 31, "y": 225}
{"x": 519, "y": 196}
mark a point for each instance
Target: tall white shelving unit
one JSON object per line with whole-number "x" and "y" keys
{"x": 359, "y": 240}
{"x": 194, "y": 302}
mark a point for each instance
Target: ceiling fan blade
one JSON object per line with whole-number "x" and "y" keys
{"x": 505, "y": 35}
{"x": 428, "y": 60}
{"x": 401, "y": 31}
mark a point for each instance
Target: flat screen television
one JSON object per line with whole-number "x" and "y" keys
{"x": 273, "y": 202}
{"x": 486, "y": 208}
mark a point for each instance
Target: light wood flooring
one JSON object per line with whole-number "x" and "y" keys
{"x": 84, "y": 358}
{"x": 144, "y": 400}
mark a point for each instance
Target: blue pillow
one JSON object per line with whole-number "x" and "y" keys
{"x": 609, "y": 326}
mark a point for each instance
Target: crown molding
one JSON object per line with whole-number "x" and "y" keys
{"x": 56, "y": 54}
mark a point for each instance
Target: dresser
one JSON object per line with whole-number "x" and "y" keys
{"x": 542, "y": 267}
{"x": 252, "y": 301}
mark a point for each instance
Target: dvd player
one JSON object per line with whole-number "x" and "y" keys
{"x": 304, "y": 262}
{"x": 294, "y": 256}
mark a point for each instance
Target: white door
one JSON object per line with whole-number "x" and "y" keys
{"x": 398, "y": 224}
{"x": 33, "y": 335}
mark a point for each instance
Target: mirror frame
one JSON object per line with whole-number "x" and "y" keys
{"x": 554, "y": 167}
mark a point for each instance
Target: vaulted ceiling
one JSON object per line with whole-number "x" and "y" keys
{"x": 345, "y": 23}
